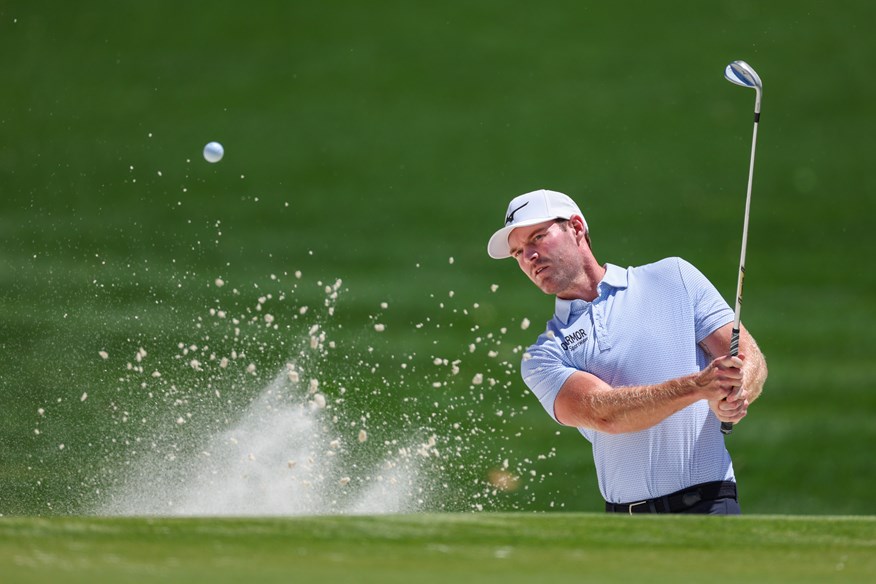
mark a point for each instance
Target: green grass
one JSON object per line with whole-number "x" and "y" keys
{"x": 386, "y": 137}
{"x": 489, "y": 547}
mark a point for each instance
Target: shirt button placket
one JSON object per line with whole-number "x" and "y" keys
{"x": 599, "y": 322}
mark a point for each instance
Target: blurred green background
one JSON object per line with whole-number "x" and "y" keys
{"x": 372, "y": 142}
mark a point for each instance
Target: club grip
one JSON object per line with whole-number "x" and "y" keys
{"x": 734, "y": 342}
{"x": 727, "y": 427}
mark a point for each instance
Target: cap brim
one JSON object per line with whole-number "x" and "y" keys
{"x": 498, "y": 247}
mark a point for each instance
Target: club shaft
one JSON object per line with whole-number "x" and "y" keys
{"x": 727, "y": 427}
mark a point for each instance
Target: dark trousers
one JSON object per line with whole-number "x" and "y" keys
{"x": 716, "y": 498}
{"x": 716, "y": 507}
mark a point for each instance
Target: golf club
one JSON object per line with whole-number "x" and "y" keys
{"x": 741, "y": 73}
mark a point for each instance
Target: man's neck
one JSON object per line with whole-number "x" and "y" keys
{"x": 587, "y": 286}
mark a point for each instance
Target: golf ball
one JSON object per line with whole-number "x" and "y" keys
{"x": 213, "y": 152}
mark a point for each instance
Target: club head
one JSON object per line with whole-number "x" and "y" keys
{"x": 741, "y": 73}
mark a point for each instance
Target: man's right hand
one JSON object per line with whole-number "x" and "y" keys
{"x": 722, "y": 378}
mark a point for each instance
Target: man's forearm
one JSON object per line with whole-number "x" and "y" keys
{"x": 585, "y": 401}
{"x": 631, "y": 409}
{"x": 755, "y": 366}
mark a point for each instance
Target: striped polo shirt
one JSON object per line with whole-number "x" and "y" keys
{"x": 644, "y": 328}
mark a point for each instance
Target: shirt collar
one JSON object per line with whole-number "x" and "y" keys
{"x": 615, "y": 277}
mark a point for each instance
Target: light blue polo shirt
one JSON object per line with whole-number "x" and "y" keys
{"x": 642, "y": 329}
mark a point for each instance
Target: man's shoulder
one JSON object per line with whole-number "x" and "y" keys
{"x": 666, "y": 264}
{"x": 618, "y": 277}
{"x": 670, "y": 267}
{"x": 673, "y": 275}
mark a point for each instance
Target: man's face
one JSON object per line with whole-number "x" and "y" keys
{"x": 549, "y": 254}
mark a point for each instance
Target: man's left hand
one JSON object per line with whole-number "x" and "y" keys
{"x": 734, "y": 408}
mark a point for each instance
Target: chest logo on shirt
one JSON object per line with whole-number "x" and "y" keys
{"x": 574, "y": 340}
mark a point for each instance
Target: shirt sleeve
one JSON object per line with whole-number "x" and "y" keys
{"x": 544, "y": 371}
{"x": 711, "y": 311}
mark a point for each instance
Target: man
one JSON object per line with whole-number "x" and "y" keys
{"x": 636, "y": 359}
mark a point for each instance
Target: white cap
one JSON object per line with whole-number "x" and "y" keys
{"x": 531, "y": 209}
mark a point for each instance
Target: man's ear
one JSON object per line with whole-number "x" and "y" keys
{"x": 577, "y": 224}
{"x": 581, "y": 232}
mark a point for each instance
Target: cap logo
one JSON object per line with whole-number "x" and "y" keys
{"x": 510, "y": 217}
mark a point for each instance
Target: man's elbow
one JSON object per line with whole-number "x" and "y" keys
{"x": 586, "y": 408}
{"x": 611, "y": 426}
{"x": 619, "y": 425}
{"x": 586, "y": 418}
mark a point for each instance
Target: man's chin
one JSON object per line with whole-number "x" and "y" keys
{"x": 547, "y": 288}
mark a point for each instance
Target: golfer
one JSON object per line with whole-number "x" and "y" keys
{"x": 636, "y": 359}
